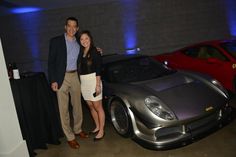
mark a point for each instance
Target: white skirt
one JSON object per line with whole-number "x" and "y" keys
{"x": 88, "y": 87}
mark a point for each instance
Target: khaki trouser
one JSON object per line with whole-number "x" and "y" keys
{"x": 70, "y": 85}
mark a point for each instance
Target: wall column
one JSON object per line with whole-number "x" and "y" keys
{"x": 11, "y": 141}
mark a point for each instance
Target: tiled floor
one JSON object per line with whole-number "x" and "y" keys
{"x": 221, "y": 143}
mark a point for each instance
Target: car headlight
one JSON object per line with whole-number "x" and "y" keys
{"x": 159, "y": 110}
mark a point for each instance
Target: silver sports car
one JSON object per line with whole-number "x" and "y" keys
{"x": 158, "y": 107}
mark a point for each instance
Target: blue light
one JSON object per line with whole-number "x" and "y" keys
{"x": 32, "y": 37}
{"x": 24, "y": 10}
{"x": 130, "y": 37}
{"x": 231, "y": 15}
{"x": 129, "y": 27}
{"x": 132, "y": 51}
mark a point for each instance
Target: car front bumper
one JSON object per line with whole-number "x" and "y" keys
{"x": 177, "y": 136}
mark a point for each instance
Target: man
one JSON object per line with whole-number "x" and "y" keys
{"x": 64, "y": 80}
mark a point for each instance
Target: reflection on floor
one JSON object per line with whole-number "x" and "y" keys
{"x": 221, "y": 143}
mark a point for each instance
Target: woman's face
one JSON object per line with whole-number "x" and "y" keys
{"x": 85, "y": 41}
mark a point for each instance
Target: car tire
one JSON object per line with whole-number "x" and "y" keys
{"x": 120, "y": 118}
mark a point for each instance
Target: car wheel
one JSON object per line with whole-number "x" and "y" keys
{"x": 120, "y": 118}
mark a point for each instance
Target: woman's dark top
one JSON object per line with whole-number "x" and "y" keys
{"x": 90, "y": 63}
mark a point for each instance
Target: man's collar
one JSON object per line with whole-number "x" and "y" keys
{"x": 69, "y": 39}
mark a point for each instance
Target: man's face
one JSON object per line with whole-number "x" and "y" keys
{"x": 71, "y": 28}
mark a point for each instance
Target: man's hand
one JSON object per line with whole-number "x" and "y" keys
{"x": 99, "y": 50}
{"x": 54, "y": 86}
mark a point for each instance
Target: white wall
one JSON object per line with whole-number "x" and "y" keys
{"x": 11, "y": 141}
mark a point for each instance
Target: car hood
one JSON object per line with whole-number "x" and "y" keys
{"x": 186, "y": 96}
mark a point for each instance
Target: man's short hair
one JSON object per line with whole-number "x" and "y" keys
{"x": 72, "y": 19}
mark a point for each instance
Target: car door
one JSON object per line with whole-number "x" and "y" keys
{"x": 184, "y": 59}
{"x": 193, "y": 58}
{"x": 210, "y": 60}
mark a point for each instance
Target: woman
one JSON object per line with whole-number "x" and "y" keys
{"x": 91, "y": 84}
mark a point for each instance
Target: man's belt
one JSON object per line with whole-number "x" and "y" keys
{"x": 71, "y": 71}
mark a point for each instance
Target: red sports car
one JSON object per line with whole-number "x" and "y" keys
{"x": 216, "y": 58}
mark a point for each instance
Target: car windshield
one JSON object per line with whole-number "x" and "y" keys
{"x": 230, "y": 47}
{"x": 134, "y": 70}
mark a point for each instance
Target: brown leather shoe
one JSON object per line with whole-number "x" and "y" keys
{"x": 82, "y": 135}
{"x": 73, "y": 144}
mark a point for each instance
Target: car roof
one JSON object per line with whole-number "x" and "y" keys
{"x": 208, "y": 42}
{"x": 118, "y": 57}
{"x": 214, "y": 42}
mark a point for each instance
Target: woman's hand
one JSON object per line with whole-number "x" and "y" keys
{"x": 98, "y": 89}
